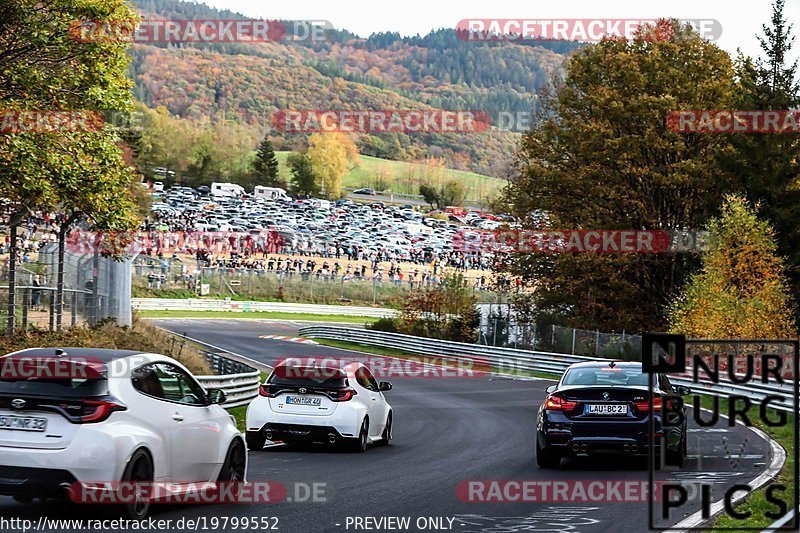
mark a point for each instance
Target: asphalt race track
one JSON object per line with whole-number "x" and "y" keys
{"x": 445, "y": 431}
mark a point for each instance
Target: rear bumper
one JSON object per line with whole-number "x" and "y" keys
{"x": 344, "y": 422}
{"x": 631, "y": 437}
{"x": 34, "y": 482}
{"x": 299, "y": 433}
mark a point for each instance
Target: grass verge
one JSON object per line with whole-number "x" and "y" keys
{"x": 757, "y": 503}
{"x": 273, "y": 315}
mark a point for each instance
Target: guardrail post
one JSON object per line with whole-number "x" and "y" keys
{"x": 573, "y": 341}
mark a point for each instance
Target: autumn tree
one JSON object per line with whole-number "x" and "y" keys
{"x": 451, "y": 193}
{"x": 45, "y": 67}
{"x": 265, "y": 166}
{"x": 741, "y": 290}
{"x": 445, "y": 311}
{"x": 328, "y": 153}
{"x": 601, "y": 157}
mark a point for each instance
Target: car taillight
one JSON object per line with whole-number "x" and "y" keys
{"x": 341, "y": 395}
{"x": 644, "y": 405}
{"x": 557, "y": 403}
{"x": 266, "y": 390}
{"x": 98, "y": 410}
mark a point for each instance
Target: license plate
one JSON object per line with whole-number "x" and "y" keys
{"x": 303, "y": 400}
{"x": 606, "y": 409}
{"x": 23, "y": 423}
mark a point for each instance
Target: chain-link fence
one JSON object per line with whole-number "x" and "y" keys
{"x": 496, "y": 331}
{"x": 94, "y": 288}
{"x": 168, "y": 277}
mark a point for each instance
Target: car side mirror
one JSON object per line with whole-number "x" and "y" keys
{"x": 681, "y": 390}
{"x": 216, "y": 396}
{"x": 551, "y": 388}
{"x": 384, "y": 386}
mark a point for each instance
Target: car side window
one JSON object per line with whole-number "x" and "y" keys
{"x": 145, "y": 380}
{"x": 363, "y": 380}
{"x": 178, "y": 386}
{"x": 665, "y": 384}
{"x": 371, "y": 379}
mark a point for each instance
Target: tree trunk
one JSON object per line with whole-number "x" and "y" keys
{"x": 62, "y": 236}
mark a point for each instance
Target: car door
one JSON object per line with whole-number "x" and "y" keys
{"x": 375, "y": 403}
{"x": 195, "y": 433}
{"x": 158, "y": 414}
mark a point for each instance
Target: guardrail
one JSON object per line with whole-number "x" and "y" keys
{"x": 213, "y": 304}
{"x": 509, "y": 359}
{"x": 239, "y": 381}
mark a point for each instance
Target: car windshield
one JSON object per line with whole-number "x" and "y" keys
{"x": 605, "y": 375}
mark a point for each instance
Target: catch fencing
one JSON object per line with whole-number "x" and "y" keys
{"x": 95, "y": 288}
{"x": 500, "y": 331}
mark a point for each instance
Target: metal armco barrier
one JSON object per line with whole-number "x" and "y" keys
{"x": 239, "y": 381}
{"x": 212, "y": 304}
{"x": 505, "y": 360}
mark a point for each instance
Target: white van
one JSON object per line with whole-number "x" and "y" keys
{"x": 226, "y": 190}
{"x": 270, "y": 193}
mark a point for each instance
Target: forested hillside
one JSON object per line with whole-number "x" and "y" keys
{"x": 249, "y": 81}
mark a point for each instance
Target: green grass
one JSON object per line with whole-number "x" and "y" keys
{"x": 271, "y": 315}
{"x": 405, "y": 177}
{"x": 239, "y": 413}
{"x": 757, "y": 503}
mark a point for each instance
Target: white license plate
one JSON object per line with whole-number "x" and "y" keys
{"x": 303, "y": 400}
{"x": 23, "y": 423}
{"x": 606, "y": 409}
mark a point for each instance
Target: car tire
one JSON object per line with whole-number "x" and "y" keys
{"x": 255, "y": 441}
{"x": 139, "y": 470}
{"x": 676, "y": 458}
{"x": 386, "y": 436}
{"x": 359, "y": 444}
{"x": 235, "y": 465}
{"x": 547, "y": 458}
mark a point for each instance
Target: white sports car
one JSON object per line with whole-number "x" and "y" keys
{"x": 324, "y": 405}
{"x": 78, "y": 416}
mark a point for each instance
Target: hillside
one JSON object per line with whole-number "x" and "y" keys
{"x": 404, "y": 177}
{"x": 249, "y": 82}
